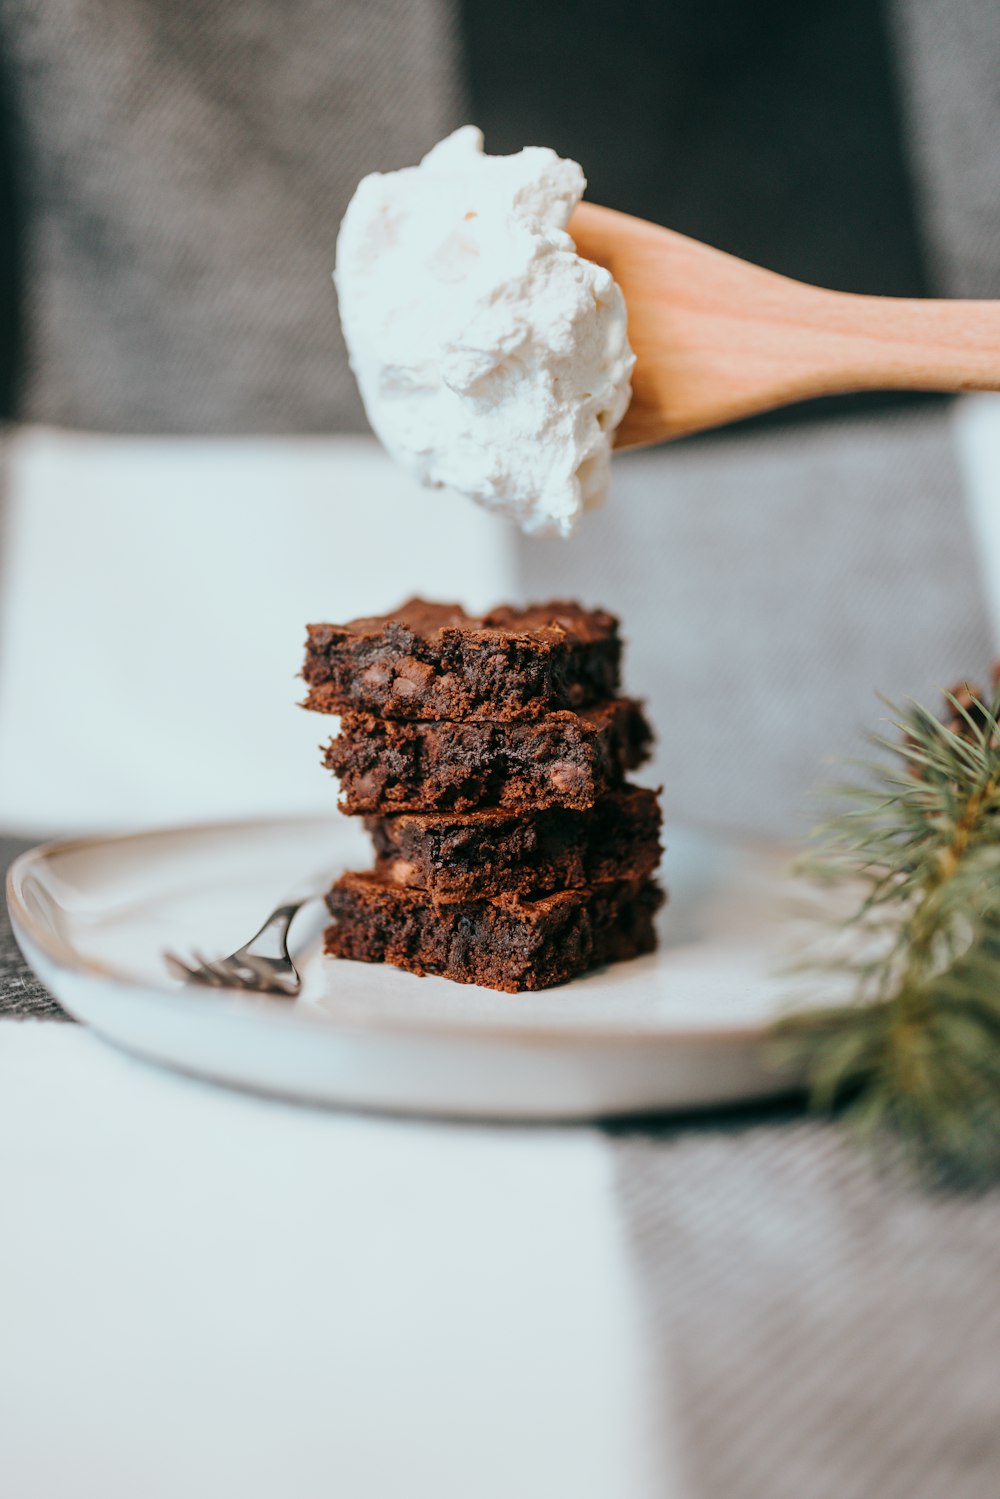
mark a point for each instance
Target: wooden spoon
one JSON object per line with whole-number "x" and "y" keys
{"x": 716, "y": 338}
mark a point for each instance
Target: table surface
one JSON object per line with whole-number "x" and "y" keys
{"x": 213, "y": 1292}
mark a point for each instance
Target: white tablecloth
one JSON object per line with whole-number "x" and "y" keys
{"x": 206, "y": 1293}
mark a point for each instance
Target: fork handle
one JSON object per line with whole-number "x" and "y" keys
{"x": 282, "y": 916}
{"x": 271, "y": 941}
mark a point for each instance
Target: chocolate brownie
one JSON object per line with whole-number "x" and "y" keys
{"x": 509, "y": 943}
{"x": 562, "y": 760}
{"x": 435, "y": 661}
{"x": 476, "y": 854}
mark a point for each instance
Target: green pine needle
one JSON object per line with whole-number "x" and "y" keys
{"x": 917, "y": 1052}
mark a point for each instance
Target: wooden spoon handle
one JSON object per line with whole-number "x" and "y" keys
{"x": 726, "y": 348}
{"x": 717, "y": 338}
{"x": 893, "y": 343}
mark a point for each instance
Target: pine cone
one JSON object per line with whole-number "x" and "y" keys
{"x": 970, "y": 697}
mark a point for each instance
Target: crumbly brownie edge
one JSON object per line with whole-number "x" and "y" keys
{"x": 557, "y": 618}
{"x": 498, "y": 672}
{"x": 564, "y": 759}
{"x": 508, "y": 945}
{"x": 482, "y": 854}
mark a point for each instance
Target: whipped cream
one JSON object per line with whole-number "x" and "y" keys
{"x": 490, "y": 356}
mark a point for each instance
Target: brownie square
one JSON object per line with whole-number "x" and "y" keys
{"x": 484, "y": 854}
{"x": 512, "y": 943}
{"x": 562, "y": 760}
{"x": 434, "y": 661}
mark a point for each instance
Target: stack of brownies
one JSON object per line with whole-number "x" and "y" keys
{"x": 488, "y": 758}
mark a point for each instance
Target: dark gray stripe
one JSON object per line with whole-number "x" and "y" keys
{"x": 21, "y": 994}
{"x": 771, "y": 130}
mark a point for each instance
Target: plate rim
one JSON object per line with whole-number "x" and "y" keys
{"x": 63, "y": 956}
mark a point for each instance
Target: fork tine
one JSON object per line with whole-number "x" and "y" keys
{"x": 250, "y": 973}
{"x": 185, "y": 972}
{"x": 205, "y": 973}
{"x": 199, "y": 971}
{"x": 247, "y": 971}
{"x": 269, "y": 972}
{"x": 225, "y": 973}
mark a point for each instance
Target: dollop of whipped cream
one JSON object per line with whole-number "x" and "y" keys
{"x": 491, "y": 358}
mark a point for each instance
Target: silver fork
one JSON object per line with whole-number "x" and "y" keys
{"x": 263, "y": 964}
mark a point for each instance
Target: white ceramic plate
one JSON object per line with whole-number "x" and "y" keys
{"x": 682, "y": 1028}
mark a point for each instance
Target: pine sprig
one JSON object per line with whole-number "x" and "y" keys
{"x": 917, "y": 1051}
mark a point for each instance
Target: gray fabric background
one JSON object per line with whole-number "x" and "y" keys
{"x": 769, "y": 584}
{"x": 187, "y": 168}
{"x": 825, "y": 1329}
